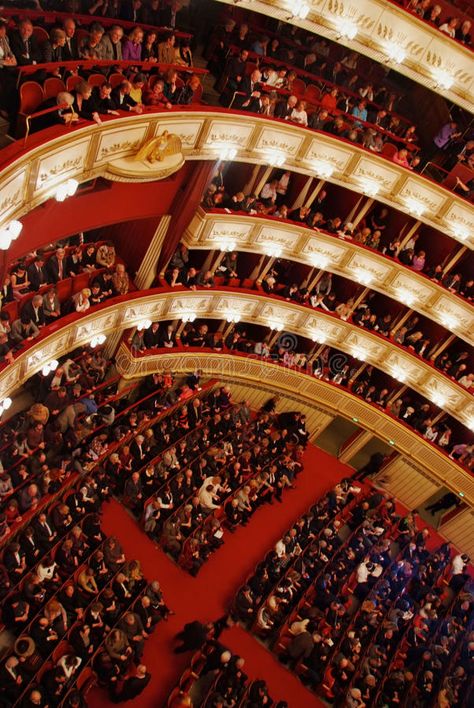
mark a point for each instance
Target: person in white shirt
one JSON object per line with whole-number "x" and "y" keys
{"x": 299, "y": 115}
{"x": 280, "y": 548}
{"x": 207, "y": 499}
{"x": 269, "y": 192}
{"x": 459, "y": 563}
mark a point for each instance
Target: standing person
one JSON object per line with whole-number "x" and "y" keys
{"x": 133, "y": 685}
{"x": 193, "y": 636}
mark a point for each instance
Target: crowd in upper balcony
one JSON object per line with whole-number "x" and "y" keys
{"x": 455, "y": 27}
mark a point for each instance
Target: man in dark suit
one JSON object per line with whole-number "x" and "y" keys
{"x": 24, "y": 44}
{"x": 133, "y": 685}
{"x": 167, "y": 338}
{"x": 250, "y": 86}
{"x": 283, "y": 109}
{"x": 37, "y": 274}
{"x": 44, "y": 531}
{"x": 57, "y": 266}
{"x": 152, "y": 336}
{"x": 34, "y": 310}
{"x": 71, "y": 48}
{"x": 171, "y": 16}
{"x": 122, "y": 99}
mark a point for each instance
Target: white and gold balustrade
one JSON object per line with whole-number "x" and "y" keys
{"x": 386, "y": 33}
{"x": 109, "y": 150}
{"x": 320, "y": 250}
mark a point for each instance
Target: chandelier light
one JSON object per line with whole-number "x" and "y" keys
{"x": 97, "y": 340}
{"x": 66, "y": 189}
{"x": 9, "y": 233}
{"x": 49, "y": 367}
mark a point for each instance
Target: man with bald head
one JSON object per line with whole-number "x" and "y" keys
{"x": 283, "y": 109}
{"x": 133, "y": 685}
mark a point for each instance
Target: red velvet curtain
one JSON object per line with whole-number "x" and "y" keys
{"x": 184, "y": 206}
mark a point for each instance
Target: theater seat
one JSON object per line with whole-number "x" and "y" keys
{"x": 298, "y": 87}
{"x": 72, "y": 82}
{"x": 312, "y": 93}
{"x": 41, "y": 35}
{"x": 116, "y": 78}
{"x": 52, "y": 86}
{"x": 96, "y": 79}
{"x": 389, "y": 150}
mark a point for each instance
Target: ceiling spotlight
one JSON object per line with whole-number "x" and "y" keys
{"x": 299, "y": 9}
{"x": 50, "y": 367}
{"x": 143, "y": 324}
{"x": 226, "y": 152}
{"x": 66, "y": 189}
{"x": 359, "y": 353}
{"x": 459, "y": 231}
{"x": 188, "y": 317}
{"x": 438, "y": 399}
{"x": 276, "y": 325}
{"x": 5, "y": 405}
{"x": 364, "y": 276}
{"x": 227, "y": 245}
{"x": 399, "y": 374}
{"x": 319, "y": 260}
{"x": 449, "y": 321}
{"x": 318, "y": 336}
{"x": 405, "y": 296}
{"x": 273, "y": 250}
{"x": 233, "y": 317}
{"x": 370, "y": 187}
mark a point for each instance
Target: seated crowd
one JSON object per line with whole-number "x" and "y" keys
{"x": 358, "y": 601}
{"x": 370, "y": 312}
{"x": 374, "y": 386}
{"x": 32, "y": 292}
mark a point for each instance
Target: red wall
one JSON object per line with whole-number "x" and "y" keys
{"x": 108, "y": 203}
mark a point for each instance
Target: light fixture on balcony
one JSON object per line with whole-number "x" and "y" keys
{"x": 449, "y": 321}
{"x": 364, "y": 276}
{"x": 143, "y": 324}
{"x": 394, "y": 52}
{"x": 318, "y": 336}
{"x": 49, "y": 367}
{"x": 188, "y": 317}
{"x": 9, "y": 233}
{"x": 225, "y": 245}
{"x": 470, "y": 424}
{"x": 226, "y": 152}
{"x": 273, "y": 250}
{"x": 275, "y": 158}
{"x": 370, "y": 187}
{"x": 66, "y": 189}
{"x": 359, "y": 353}
{"x": 438, "y": 399}
{"x": 323, "y": 169}
{"x": 406, "y": 297}
{"x": 442, "y": 78}
{"x": 233, "y": 317}
{"x": 415, "y": 207}
{"x": 97, "y": 340}
{"x": 276, "y": 325}
{"x": 299, "y": 10}
{"x": 459, "y": 231}
{"x": 346, "y": 28}
{"x": 399, "y": 374}
{"x": 5, "y": 404}
{"x": 319, "y": 260}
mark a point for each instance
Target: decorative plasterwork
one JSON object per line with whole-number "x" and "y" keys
{"x": 156, "y": 305}
{"x": 86, "y": 152}
{"x": 382, "y": 26}
{"x": 347, "y": 258}
{"x": 309, "y": 391}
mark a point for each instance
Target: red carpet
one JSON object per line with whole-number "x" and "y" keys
{"x": 209, "y": 595}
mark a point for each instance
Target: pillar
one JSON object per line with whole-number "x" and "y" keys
{"x": 357, "y": 443}
{"x": 146, "y": 273}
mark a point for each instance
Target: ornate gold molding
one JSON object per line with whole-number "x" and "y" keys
{"x": 347, "y": 258}
{"x": 128, "y": 311}
{"x": 384, "y": 30}
{"x": 87, "y": 152}
{"x": 312, "y": 392}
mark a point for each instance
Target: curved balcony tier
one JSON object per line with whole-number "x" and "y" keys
{"x": 318, "y": 397}
{"x": 160, "y": 304}
{"x": 382, "y": 30}
{"x": 30, "y": 173}
{"x": 319, "y": 249}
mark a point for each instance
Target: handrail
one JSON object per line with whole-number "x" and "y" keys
{"x": 54, "y": 16}
{"x": 106, "y": 63}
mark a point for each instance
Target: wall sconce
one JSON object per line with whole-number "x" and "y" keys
{"x": 459, "y": 231}
{"x": 415, "y": 207}
{"x": 48, "y": 368}
{"x": 399, "y": 374}
{"x": 322, "y": 169}
{"x": 299, "y": 9}
{"x": 449, "y": 321}
{"x": 66, "y": 189}
{"x": 359, "y": 353}
{"x": 9, "y": 233}
{"x": 97, "y": 340}
{"x": 276, "y": 325}
{"x": 405, "y": 296}
{"x": 438, "y": 399}
{"x": 143, "y": 324}
{"x": 233, "y": 317}
{"x": 227, "y": 245}
{"x": 443, "y": 79}
{"x": 5, "y": 405}
{"x": 188, "y": 317}
{"x": 394, "y": 52}
{"x": 275, "y": 158}
{"x": 226, "y": 152}
{"x": 370, "y": 187}
{"x": 364, "y": 276}
{"x": 319, "y": 260}
{"x": 273, "y": 250}
{"x": 318, "y": 336}
{"x": 346, "y": 28}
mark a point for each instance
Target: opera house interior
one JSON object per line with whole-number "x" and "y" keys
{"x": 236, "y": 364}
